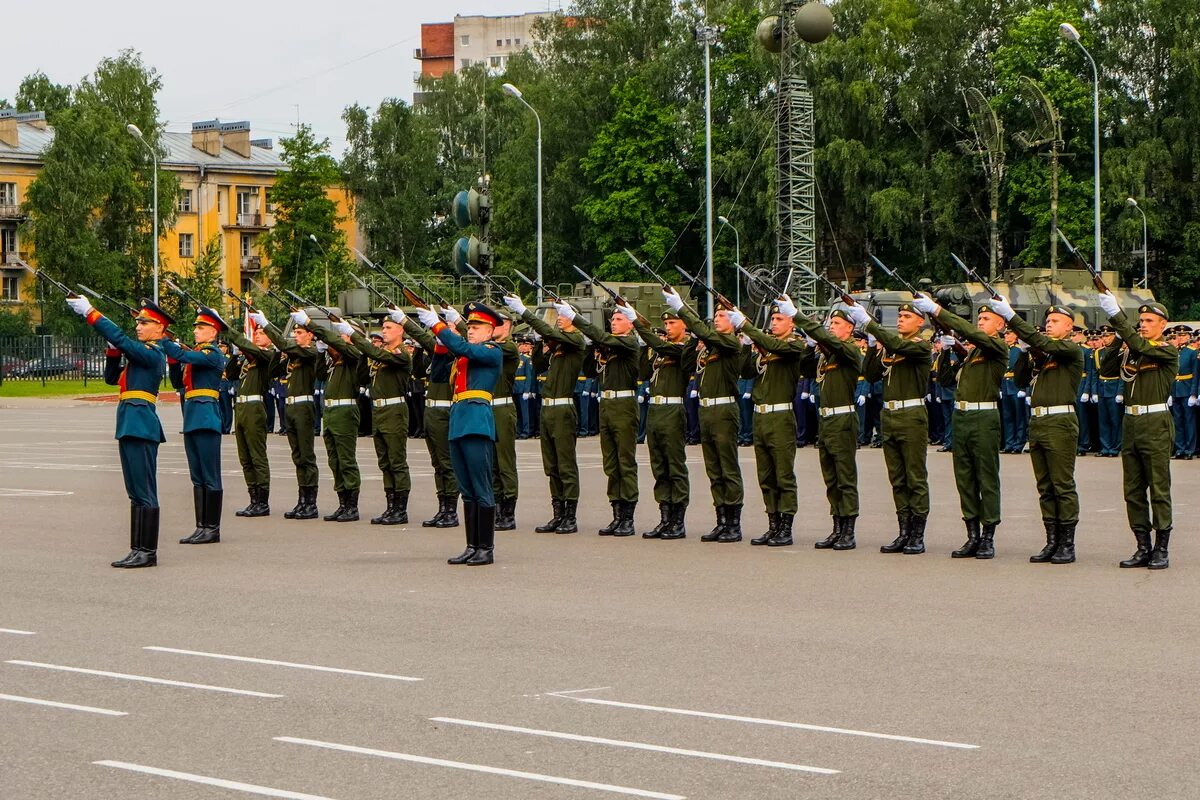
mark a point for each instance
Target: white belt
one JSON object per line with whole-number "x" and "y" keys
{"x": 1137, "y": 411}
{"x": 558, "y": 401}
{"x": 387, "y": 401}
{"x": 1052, "y": 411}
{"x": 336, "y": 403}
{"x": 439, "y": 403}
{"x": 300, "y": 398}
{"x": 896, "y": 405}
{"x": 833, "y": 412}
{"x": 664, "y": 400}
{"x": 609, "y": 394}
{"x": 501, "y": 401}
{"x": 705, "y": 402}
{"x": 249, "y": 398}
{"x": 963, "y": 405}
{"x": 770, "y": 409}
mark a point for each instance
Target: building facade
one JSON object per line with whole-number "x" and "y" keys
{"x": 468, "y": 41}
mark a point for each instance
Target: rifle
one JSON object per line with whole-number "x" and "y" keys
{"x": 975, "y": 275}
{"x": 111, "y": 301}
{"x": 846, "y": 298}
{"x": 721, "y": 299}
{"x": 243, "y": 302}
{"x": 303, "y": 303}
{"x": 646, "y": 268}
{"x": 179, "y": 291}
{"x": 441, "y": 300}
{"x": 283, "y": 301}
{"x": 941, "y": 329}
{"x": 1097, "y": 281}
{"x": 37, "y": 273}
{"x": 488, "y": 280}
{"x": 409, "y": 294}
{"x": 616, "y": 298}
{"x": 552, "y": 295}
{"x": 387, "y": 301}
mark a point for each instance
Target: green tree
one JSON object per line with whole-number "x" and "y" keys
{"x": 39, "y": 93}
{"x": 203, "y": 281}
{"x": 16, "y": 323}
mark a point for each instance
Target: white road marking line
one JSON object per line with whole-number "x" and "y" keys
{"x": 7, "y": 492}
{"x": 512, "y": 773}
{"x": 69, "y": 706}
{"x": 313, "y": 667}
{"x": 143, "y": 679}
{"x": 582, "y": 691}
{"x": 17, "y": 632}
{"x": 248, "y": 788}
{"x": 773, "y": 722}
{"x": 758, "y": 762}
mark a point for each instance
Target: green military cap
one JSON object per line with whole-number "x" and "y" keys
{"x": 1066, "y": 312}
{"x": 1153, "y": 308}
{"x": 1104, "y": 330}
{"x": 841, "y": 313}
{"x": 669, "y": 314}
{"x": 910, "y": 308}
{"x": 986, "y": 308}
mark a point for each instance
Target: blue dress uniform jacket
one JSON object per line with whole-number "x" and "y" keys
{"x": 471, "y": 414}
{"x": 145, "y": 366}
{"x": 202, "y": 371}
{"x": 1185, "y": 381}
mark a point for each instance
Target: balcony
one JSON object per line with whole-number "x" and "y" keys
{"x": 251, "y": 263}
{"x": 13, "y": 258}
{"x": 251, "y": 220}
{"x": 10, "y": 211}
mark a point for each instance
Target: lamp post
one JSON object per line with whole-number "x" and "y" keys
{"x": 513, "y": 91}
{"x": 1068, "y": 32}
{"x": 136, "y": 133}
{"x": 737, "y": 257}
{"x": 1131, "y": 203}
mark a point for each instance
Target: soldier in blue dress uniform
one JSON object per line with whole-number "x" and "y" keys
{"x": 203, "y": 367}
{"x": 1182, "y": 392}
{"x": 139, "y": 431}
{"x": 472, "y": 424}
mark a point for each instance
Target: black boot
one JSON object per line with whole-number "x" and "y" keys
{"x": 783, "y": 534}
{"x": 145, "y": 552}
{"x": 608, "y": 529}
{"x": 916, "y": 536}
{"x": 555, "y": 518}
{"x": 897, "y": 545}
{"x": 213, "y": 500}
{"x": 1051, "y": 543}
{"x": 135, "y": 529}
{"x": 300, "y": 503}
{"x": 470, "y": 511}
{"x": 505, "y": 509}
{"x": 1141, "y": 557}
{"x": 350, "y": 512}
{"x": 677, "y": 529}
{"x": 987, "y": 539}
{"x": 971, "y": 547}
{"x": 829, "y": 541}
{"x": 198, "y": 505}
{"x": 259, "y": 506}
{"x": 450, "y": 518}
{"x": 846, "y": 541}
{"x": 249, "y": 509}
{"x": 625, "y": 523}
{"x": 485, "y": 536}
{"x": 309, "y": 511}
{"x": 772, "y": 529}
{"x": 568, "y": 523}
{"x": 443, "y": 508}
{"x": 1065, "y": 554}
{"x": 733, "y": 525}
{"x": 1158, "y": 556}
{"x": 339, "y": 510}
{"x": 715, "y": 534}
{"x": 400, "y": 514}
{"x": 664, "y": 521}
{"x": 383, "y": 518}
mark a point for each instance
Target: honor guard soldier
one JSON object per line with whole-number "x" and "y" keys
{"x": 472, "y": 424}
{"x": 903, "y": 364}
{"x": 438, "y": 398}
{"x": 720, "y": 385}
{"x": 300, "y": 423}
{"x": 203, "y": 367}
{"x": 504, "y": 409}
{"x": 1183, "y": 399}
{"x": 779, "y": 357}
{"x": 342, "y": 416}
{"x": 616, "y": 356}
{"x": 976, "y": 452}
{"x": 1110, "y": 389}
{"x": 838, "y": 366}
{"x": 1149, "y": 368}
{"x": 260, "y": 362}
{"x": 673, "y": 362}
{"x": 1014, "y": 400}
{"x": 1055, "y": 366}
{"x": 561, "y": 360}
{"x": 139, "y": 431}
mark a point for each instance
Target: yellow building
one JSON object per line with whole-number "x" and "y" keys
{"x": 225, "y": 179}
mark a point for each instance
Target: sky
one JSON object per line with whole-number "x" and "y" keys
{"x": 269, "y": 63}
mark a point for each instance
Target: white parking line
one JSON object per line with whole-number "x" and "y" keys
{"x": 248, "y": 788}
{"x": 143, "y": 679}
{"x": 294, "y": 665}
{"x": 773, "y": 722}
{"x": 69, "y": 706}
{"x": 511, "y": 773}
{"x": 757, "y": 762}
{"x": 16, "y": 632}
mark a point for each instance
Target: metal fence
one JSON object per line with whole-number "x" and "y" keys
{"x": 51, "y": 358}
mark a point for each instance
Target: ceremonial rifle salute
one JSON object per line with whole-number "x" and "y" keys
{"x": 505, "y": 412}
{"x": 139, "y": 431}
{"x": 342, "y": 416}
{"x": 261, "y": 361}
{"x": 203, "y": 367}
{"x": 438, "y": 398}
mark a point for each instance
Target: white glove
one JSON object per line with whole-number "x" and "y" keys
{"x": 514, "y": 304}
{"x": 525, "y": 395}
{"x": 1170, "y": 402}
{"x": 858, "y": 314}
{"x": 693, "y": 393}
{"x": 80, "y": 305}
{"x": 1120, "y": 399}
{"x": 1109, "y": 303}
{"x": 450, "y": 315}
{"x": 565, "y": 311}
{"x": 1020, "y": 395}
{"x": 925, "y": 305}
{"x": 1095, "y": 399}
{"x": 673, "y": 300}
{"x": 862, "y": 400}
{"x": 737, "y": 319}
{"x": 1193, "y": 402}
{"x": 786, "y": 306}
{"x": 343, "y": 327}
{"x": 428, "y": 317}
{"x": 804, "y": 395}
{"x": 321, "y": 346}
{"x": 928, "y": 398}
{"x": 870, "y": 341}
{"x": 808, "y": 340}
{"x": 397, "y": 316}
{"x": 1029, "y": 401}
{"x": 947, "y": 341}
{"x": 627, "y": 312}
{"x": 1083, "y": 398}
{"x": 300, "y": 317}
{"x": 746, "y": 396}
{"x": 812, "y": 398}
{"x": 1000, "y": 306}
{"x": 260, "y": 319}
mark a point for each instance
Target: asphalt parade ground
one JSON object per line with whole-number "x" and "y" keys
{"x": 305, "y": 659}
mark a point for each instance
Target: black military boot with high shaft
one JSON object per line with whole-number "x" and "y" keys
{"x": 1141, "y": 556}
{"x": 568, "y": 523}
{"x": 505, "y": 509}
{"x": 400, "y": 513}
{"x": 309, "y": 511}
{"x": 664, "y": 520}
{"x": 847, "y": 541}
{"x": 1065, "y": 554}
{"x": 485, "y": 536}
{"x": 715, "y": 534}
{"x": 733, "y": 525}
{"x": 296, "y": 511}
{"x": 769, "y": 533}
{"x": 198, "y": 505}
{"x": 436, "y": 520}
{"x": 211, "y": 534}
{"x": 145, "y": 552}
{"x": 916, "y": 536}
{"x": 971, "y": 546}
{"x": 350, "y": 512}
{"x": 555, "y": 520}
{"x": 829, "y": 541}
{"x": 905, "y": 522}
{"x": 469, "y": 519}
{"x": 608, "y": 529}
{"x": 390, "y": 496}
{"x": 341, "y": 509}
{"x": 625, "y": 523}
{"x": 783, "y": 534}
{"x": 1051, "y": 543}
{"x": 450, "y": 520}
{"x": 246, "y": 512}
{"x": 1158, "y": 556}
{"x": 135, "y": 530}
{"x": 677, "y": 528}
{"x": 987, "y": 541}
{"x": 262, "y": 503}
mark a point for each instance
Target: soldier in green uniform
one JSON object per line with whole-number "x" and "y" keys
{"x": 561, "y": 359}
{"x": 903, "y": 365}
{"x": 391, "y": 371}
{"x": 1149, "y": 367}
{"x": 616, "y": 356}
{"x": 439, "y": 396}
{"x": 260, "y": 363}
{"x": 1054, "y": 365}
{"x": 341, "y": 415}
{"x": 779, "y": 357}
{"x": 718, "y": 372}
{"x": 976, "y": 424}
{"x": 674, "y": 361}
{"x": 504, "y": 410}
{"x": 302, "y": 359}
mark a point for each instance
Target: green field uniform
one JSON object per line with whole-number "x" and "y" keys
{"x": 718, "y": 371}
{"x": 777, "y": 365}
{"x": 1055, "y": 368}
{"x": 1147, "y": 439}
{"x": 977, "y": 434}
{"x": 505, "y": 413}
{"x": 616, "y": 368}
{"x": 439, "y": 396}
{"x": 259, "y": 366}
{"x": 391, "y": 372}
{"x": 904, "y": 367}
{"x": 301, "y": 377}
{"x": 561, "y": 361}
{"x": 341, "y": 420}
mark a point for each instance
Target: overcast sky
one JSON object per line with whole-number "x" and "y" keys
{"x": 256, "y": 61}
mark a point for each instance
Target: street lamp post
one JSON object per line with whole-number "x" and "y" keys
{"x": 136, "y": 133}
{"x": 1131, "y": 203}
{"x": 737, "y": 257}
{"x": 509, "y": 89}
{"x": 1068, "y": 32}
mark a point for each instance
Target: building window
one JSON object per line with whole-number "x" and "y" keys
{"x": 10, "y": 291}
{"x": 466, "y": 63}
{"x": 247, "y": 245}
{"x": 220, "y": 193}
{"x": 496, "y": 61}
{"x": 245, "y": 202}
{"x": 517, "y": 41}
{"x": 185, "y": 200}
{"x": 8, "y": 194}
{"x": 508, "y": 42}
{"x": 185, "y": 245}
{"x": 498, "y": 43}
{"x": 465, "y": 39}
{"x": 270, "y": 202}
{"x": 8, "y": 240}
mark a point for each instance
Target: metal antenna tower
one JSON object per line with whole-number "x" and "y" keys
{"x": 1047, "y": 129}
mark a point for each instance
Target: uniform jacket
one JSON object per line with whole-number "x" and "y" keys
{"x": 145, "y": 366}
{"x": 474, "y": 374}
{"x": 202, "y": 371}
{"x": 1185, "y": 380}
